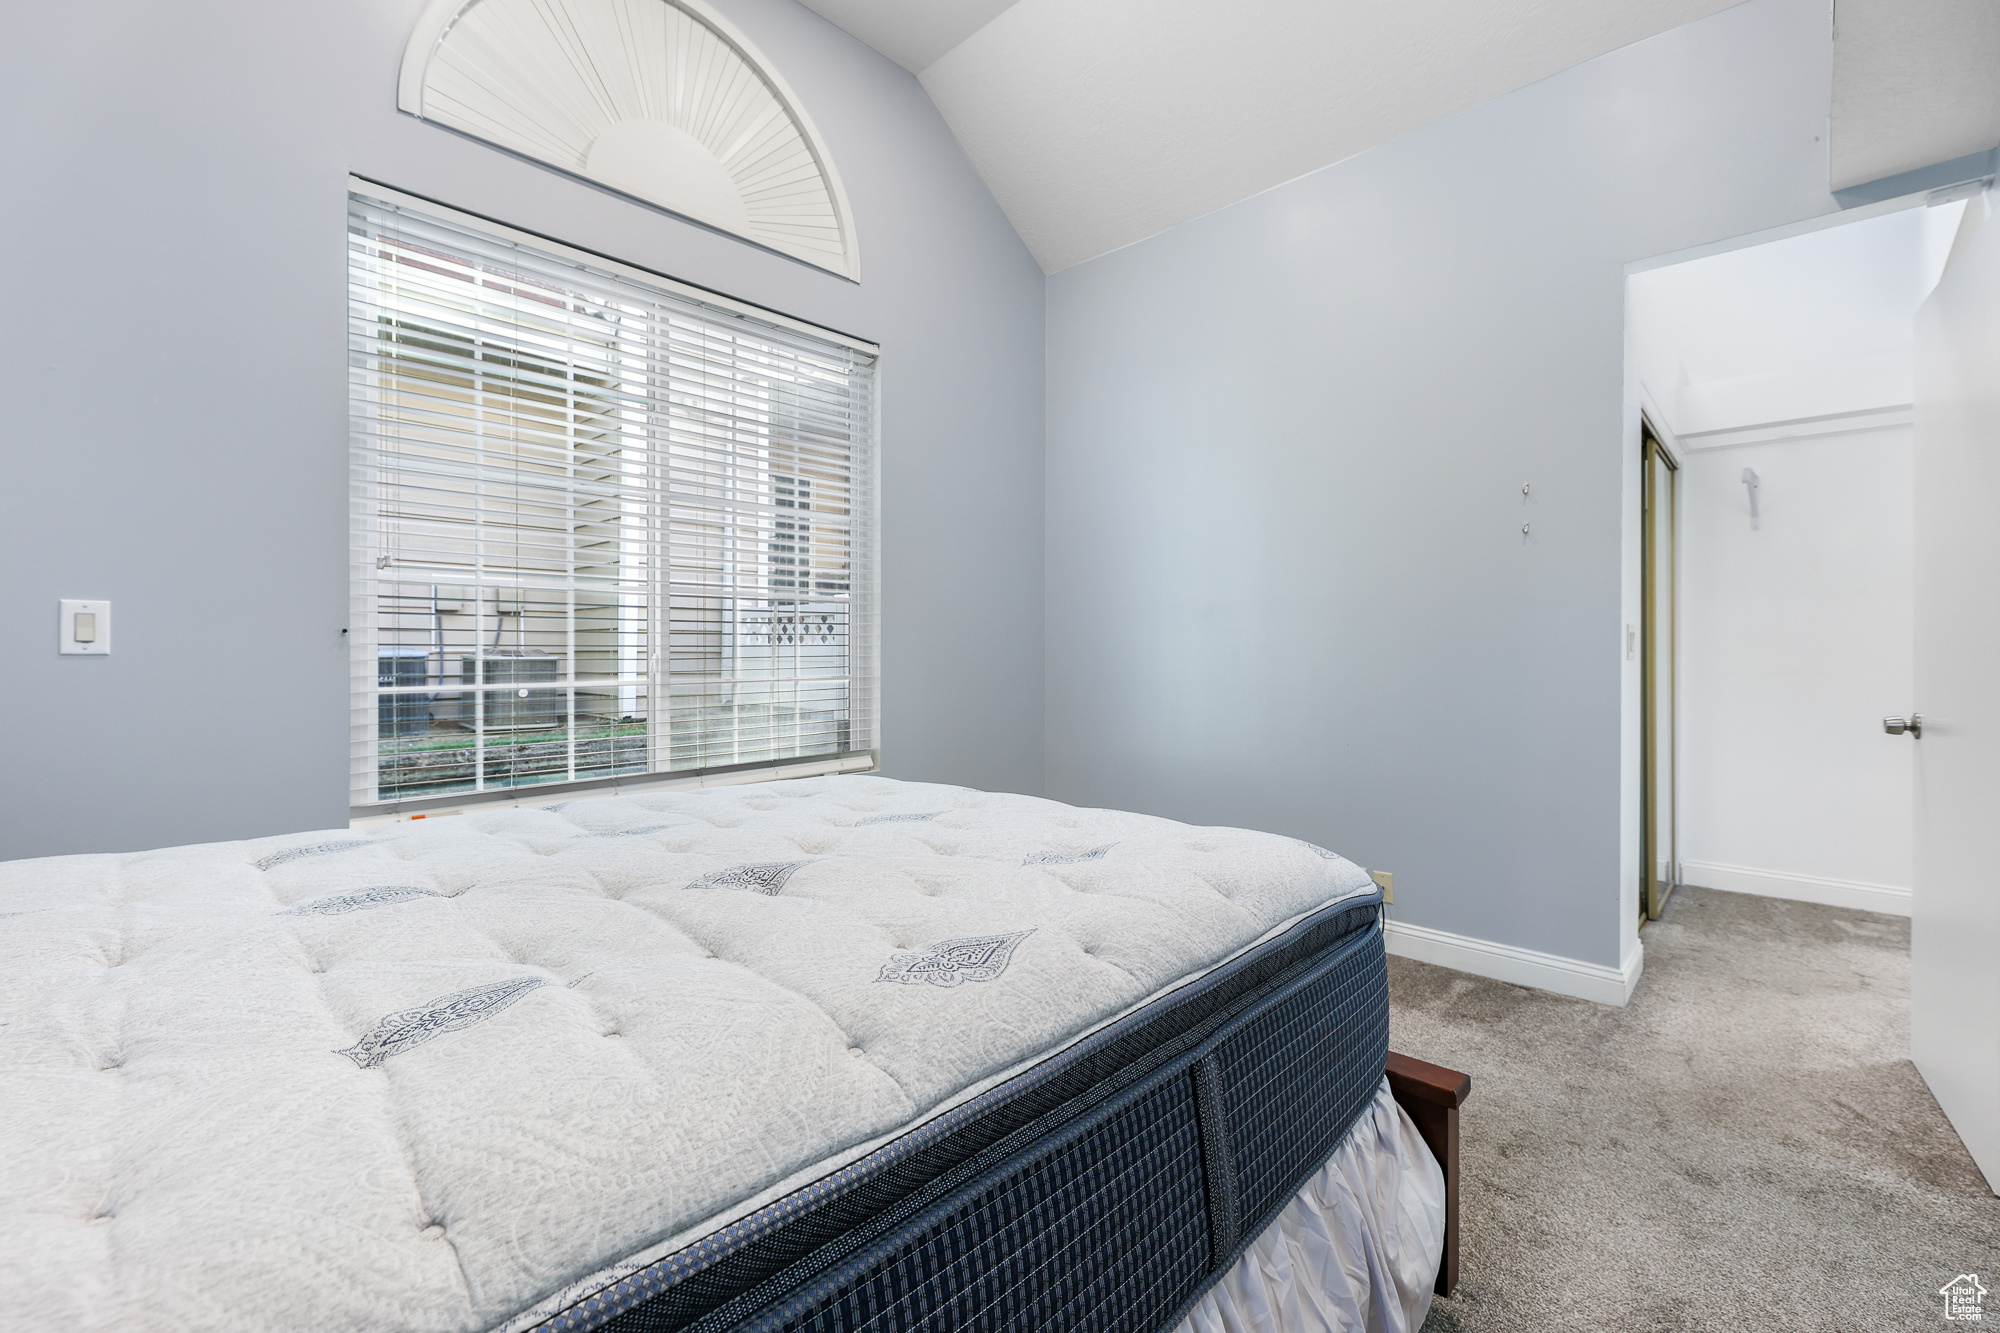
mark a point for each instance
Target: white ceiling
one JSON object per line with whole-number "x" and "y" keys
{"x": 913, "y": 33}
{"x": 1097, "y": 123}
{"x": 1756, "y": 343}
{"x": 1835, "y": 294}
{"x": 1915, "y": 82}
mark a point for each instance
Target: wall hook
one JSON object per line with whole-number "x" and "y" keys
{"x": 1751, "y": 480}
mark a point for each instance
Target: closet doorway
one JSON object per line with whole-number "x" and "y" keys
{"x": 1771, "y": 624}
{"x": 1659, "y": 617}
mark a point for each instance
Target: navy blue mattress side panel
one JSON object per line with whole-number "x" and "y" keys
{"x": 1100, "y": 1229}
{"x": 1289, "y": 1084}
{"x": 1115, "y": 1208}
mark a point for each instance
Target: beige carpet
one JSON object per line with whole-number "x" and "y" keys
{"x": 1745, "y": 1146}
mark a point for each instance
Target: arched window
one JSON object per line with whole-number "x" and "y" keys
{"x": 662, "y": 100}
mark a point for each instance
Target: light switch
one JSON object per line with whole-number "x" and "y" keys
{"x": 85, "y": 628}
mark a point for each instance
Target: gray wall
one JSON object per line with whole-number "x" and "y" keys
{"x": 173, "y": 362}
{"x": 1287, "y": 583}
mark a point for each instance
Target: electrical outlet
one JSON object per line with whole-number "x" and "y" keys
{"x": 1387, "y": 879}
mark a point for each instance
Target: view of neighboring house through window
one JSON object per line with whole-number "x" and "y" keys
{"x": 600, "y": 527}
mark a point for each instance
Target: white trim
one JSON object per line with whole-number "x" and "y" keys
{"x": 1522, "y": 967}
{"x": 388, "y": 194}
{"x": 439, "y": 15}
{"x": 1804, "y": 226}
{"x": 1885, "y": 898}
{"x": 848, "y": 763}
{"x": 1651, "y": 415}
{"x": 1631, "y": 965}
{"x": 1804, "y": 428}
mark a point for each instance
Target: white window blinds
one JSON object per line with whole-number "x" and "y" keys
{"x": 600, "y": 527}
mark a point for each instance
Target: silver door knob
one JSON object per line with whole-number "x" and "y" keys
{"x": 1896, "y": 726}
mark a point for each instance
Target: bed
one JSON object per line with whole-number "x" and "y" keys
{"x": 829, "y": 1053}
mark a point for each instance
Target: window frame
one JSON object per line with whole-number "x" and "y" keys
{"x": 863, "y": 646}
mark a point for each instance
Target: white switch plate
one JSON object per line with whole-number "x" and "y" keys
{"x": 100, "y": 625}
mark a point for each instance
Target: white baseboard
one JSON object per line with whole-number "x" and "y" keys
{"x": 1522, "y": 967}
{"x": 1800, "y": 888}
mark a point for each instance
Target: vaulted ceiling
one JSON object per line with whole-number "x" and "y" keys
{"x": 1097, "y": 123}
{"x": 913, "y": 33}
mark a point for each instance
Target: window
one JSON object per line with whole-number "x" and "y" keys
{"x": 602, "y": 527}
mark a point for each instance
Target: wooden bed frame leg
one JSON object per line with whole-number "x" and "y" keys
{"x": 1432, "y": 1094}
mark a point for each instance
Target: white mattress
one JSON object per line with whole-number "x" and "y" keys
{"x": 427, "y": 1076}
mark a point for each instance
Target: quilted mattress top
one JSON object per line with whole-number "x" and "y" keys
{"x": 430, "y": 1075}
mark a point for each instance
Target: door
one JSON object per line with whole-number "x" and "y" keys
{"x": 1955, "y": 903}
{"x": 1659, "y": 868}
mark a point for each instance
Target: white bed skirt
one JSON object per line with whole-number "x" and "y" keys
{"x": 1355, "y": 1251}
